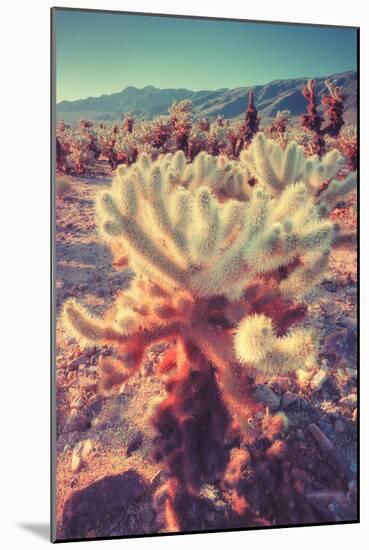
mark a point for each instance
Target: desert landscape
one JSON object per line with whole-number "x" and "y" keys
{"x": 206, "y": 335}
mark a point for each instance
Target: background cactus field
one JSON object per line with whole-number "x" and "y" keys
{"x": 206, "y": 319}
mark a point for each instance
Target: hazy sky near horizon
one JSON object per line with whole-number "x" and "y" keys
{"x": 103, "y": 53}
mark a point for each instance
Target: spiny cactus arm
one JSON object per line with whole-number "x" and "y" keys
{"x": 263, "y": 245}
{"x": 332, "y": 163}
{"x": 227, "y": 275}
{"x": 159, "y": 207}
{"x": 233, "y": 216}
{"x": 337, "y": 190}
{"x": 114, "y": 224}
{"x": 207, "y": 230}
{"x": 260, "y": 163}
{"x": 276, "y": 168}
{"x": 292, "y": 164}
{"x": 120, "y": 327}
{"x": 257, "y": 346}
{"x": 80, "y": 324}
{"x": 254, "y": 339}
{"x": 304, "y": 278}
{"x": 294, "y": 199}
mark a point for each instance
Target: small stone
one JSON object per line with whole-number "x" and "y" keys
{"x": 76, "y": 421}
{"x": 209, "y": 492}
{"x": 303, "y": 376}
{"x": 300, "y": 433}
{"x": 288, "y": 398}
{"x": 76, "y": 403}
{"x": 210, "y": 516}
{"x": 73, "y": 365}
{"x": 87, "y": 448}
{"x": 87, "y": 384}
{"x": 325, "y": 426}
{"x": 318, "y": 380}
{"x": 82, "y": 366}
{"x": 220, "y": 505}
{"x": 323, "y": 441}
{"x": 115, "y": 533}
{"x": 353, "y": 467}
{"x": 135, "y": 444}
{"x": 94, "y": 359}
{"x": 339, "y": 426}
{"x": 351, "y": 494}
{"x": 264, "y": 394}
{"x": 349, "y": 401}
{"x": 91, "y": 534}
{"x": 331, "y": 287}
{"x": 90, "y": 351}
{"x": 76, "y": 463}
{"x": 95, "y": 422}
{"x": 354, "y": 415}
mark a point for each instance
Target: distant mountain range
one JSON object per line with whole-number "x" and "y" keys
{"x": 150, "y": 102}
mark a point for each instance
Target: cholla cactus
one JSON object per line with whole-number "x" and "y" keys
{"x": 234, "y": 132}
{"x": 62, "y": 152}
{"x": 281, "y": 120}
{"x": 217, "y": 139}
{"x": 313, "y": 121}
{"x": 220, "y": 269}
{"x": 203, "y": 124}
{"x": 128, "y": 123}
{"x": 181, "y": 117}
{"x": 275, "y": 167}
{"x": 158, "y": 134}
{"x": 335, "y": 102}
{"x": 251, "y": 123}
{"x": 198, "y": 139}
{"x": 125, "y": 148}
{"x": 347, "y": 144}
{"x": 81, "y": 158}
{"x": 107, "y": 138}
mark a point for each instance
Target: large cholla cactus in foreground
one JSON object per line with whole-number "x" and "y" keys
{"x": 220, "y": 271}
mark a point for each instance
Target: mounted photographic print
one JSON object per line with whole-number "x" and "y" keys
{"x": 204, "y": 362}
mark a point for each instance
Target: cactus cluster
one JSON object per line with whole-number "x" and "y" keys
{"x": 79, "y": 148}
{"x": 221, "y": 268}
{"x": 312, "y": 120}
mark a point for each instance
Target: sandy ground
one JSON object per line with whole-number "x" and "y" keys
{"x": 105, "y": 476}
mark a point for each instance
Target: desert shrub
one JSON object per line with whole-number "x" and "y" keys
{"x": 62, "y": 186}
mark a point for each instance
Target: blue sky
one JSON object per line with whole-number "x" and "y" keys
{"x": 102, "y": 53}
